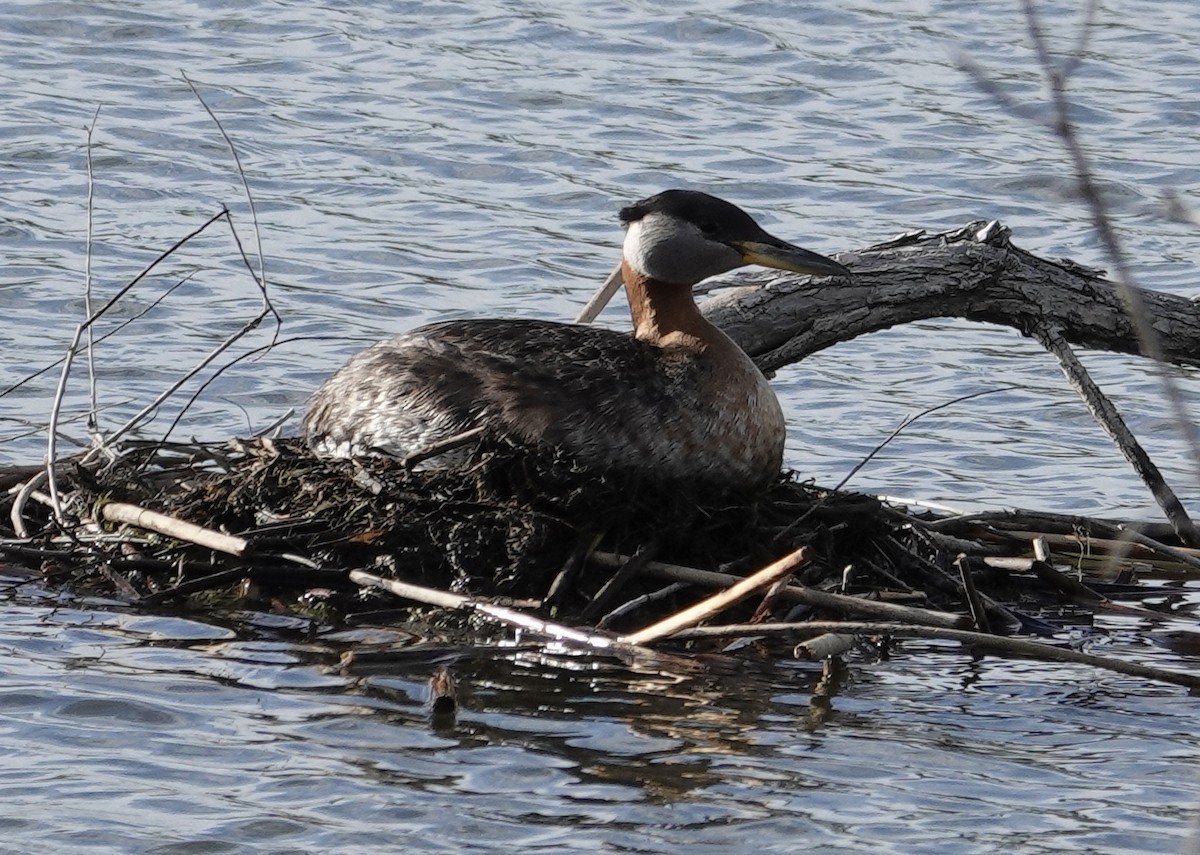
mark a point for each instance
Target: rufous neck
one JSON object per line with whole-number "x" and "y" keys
{"x": 664, "y": 313}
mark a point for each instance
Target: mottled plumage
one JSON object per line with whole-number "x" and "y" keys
{"x": 677, "y": 400}
{"x": 608, "y": 398}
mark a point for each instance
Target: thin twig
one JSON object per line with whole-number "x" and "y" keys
{"x": 564, "y": 580}
{"x": 794, "y": 593}
{"x": 261, "y": 278}
{"x": 610, "y": 588}
{"x": 908, "y": 421}
{"x": 643, "y": 600}
{"x": 1000, "y": 644}
{"x": 787, "y": 530}
{"x": 87, "y": 278}
{"x": 717, "y": 603}
{"x": 272, "y": 430}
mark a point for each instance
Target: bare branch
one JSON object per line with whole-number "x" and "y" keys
{"x": 1151, "y": 346}
{"x": 998, "y": 644}
{"x": 261, "y": 278}
{"x": 908, "y": 421}
{"x": 975, "y": 273}
{"x": 1105, "y": 413}
{"x": 87, "y": 276}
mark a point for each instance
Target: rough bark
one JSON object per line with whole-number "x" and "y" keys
{"x": 974, "y": 273}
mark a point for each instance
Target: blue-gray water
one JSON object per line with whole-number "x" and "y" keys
{"x": 413, "y": 161}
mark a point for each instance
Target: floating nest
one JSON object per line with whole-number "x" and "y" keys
{"x": 504, "y": 524}
{"x": 514, "y": 528}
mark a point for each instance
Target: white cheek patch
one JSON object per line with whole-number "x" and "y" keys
{"x": 635, "y": 243}
{"x": 670, "y": 250}
{"x": 663, "y": 248}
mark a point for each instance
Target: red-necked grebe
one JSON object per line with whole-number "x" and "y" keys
{"x": 677, "y": 400}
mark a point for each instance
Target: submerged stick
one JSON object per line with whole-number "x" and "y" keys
{"x": 719, "y": 602}
{"x": 797, "y": 594}
{"x": 1015, "y": 646}
{"x": 823, "y": 646}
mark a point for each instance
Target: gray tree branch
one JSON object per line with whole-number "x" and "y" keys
{"x": 974, "y": 273}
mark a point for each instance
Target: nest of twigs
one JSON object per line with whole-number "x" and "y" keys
{"x": 268, "y": 525}
{"x": 503, "y": 524}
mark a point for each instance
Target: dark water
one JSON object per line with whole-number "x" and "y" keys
{"x": 413, "y": 161}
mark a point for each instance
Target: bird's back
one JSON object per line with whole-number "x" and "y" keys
{"x": 602, "y": 397}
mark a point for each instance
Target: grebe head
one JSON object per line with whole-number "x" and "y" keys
{"x": 684, "y": 236}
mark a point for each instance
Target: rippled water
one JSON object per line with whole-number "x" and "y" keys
{"x": 413, "y": 161}
{"x": 424, "y": 161}
{"x": 140, "y": 734}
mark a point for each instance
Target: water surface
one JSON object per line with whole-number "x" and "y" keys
{"x": 414, "y": 161}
